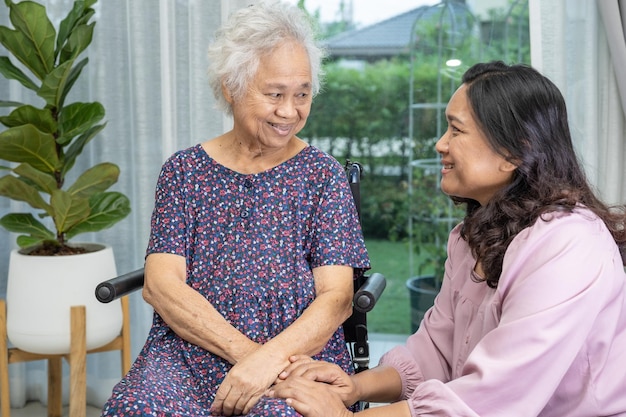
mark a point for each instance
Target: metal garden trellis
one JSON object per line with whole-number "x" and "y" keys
{"x": 453, "y": 34}
{"x": 454, "y": 24}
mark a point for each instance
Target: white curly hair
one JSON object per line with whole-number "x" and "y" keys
{"x": 251, "y": 32}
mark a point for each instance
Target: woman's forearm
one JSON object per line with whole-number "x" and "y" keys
{"x": 189, "y": 314}
{"x": 398, "y": 409}
{"x": 310, "y": 332}
{"x": 381, "y": 384}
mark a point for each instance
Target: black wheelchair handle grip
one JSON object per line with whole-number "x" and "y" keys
{"x": 366, "y": 297}
{"x": 117, "y": 287}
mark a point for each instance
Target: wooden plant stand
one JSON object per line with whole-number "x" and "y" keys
{"x": 76, "y": 358}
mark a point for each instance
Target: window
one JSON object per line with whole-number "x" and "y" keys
{"x": 383, "y": 105}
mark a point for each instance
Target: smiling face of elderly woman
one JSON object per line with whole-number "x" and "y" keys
{"x": 252, "y": 33}
{"x": 277, "y": 103}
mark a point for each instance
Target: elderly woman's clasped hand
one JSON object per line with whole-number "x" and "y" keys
{"x": 300, "y": 385}
{"x": 243, "y": 386}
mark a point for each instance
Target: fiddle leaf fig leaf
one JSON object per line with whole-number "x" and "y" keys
{"x": 26, "y": 223}
{"x": 76, "y": 148}
{"x": 77, "y": 42}
{"x": 79, "y": 15}
{"x": 106, "y": 209}
{"x": 54, "y": 84}
{"x": 71, "y": 79}
{"x": 8, "y": 103}
{"x": 12, "y": 72}
{"x": 68, "y": 210}
{"x": 95, "y": 180}
{"x": 19, "y": 190}
{"x": 77, "y": 118}
{"x": 40, "y": 118}
{"x": 32, "y": 41}
{"x": 25, "y": 241}
{"x": 44, "y": 182}
{"x": 29, "y": 145}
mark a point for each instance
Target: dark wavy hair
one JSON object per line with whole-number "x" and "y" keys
{"x": 524, "y": 118}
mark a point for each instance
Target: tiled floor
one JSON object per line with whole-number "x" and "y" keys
{"x": 379, "y": 344}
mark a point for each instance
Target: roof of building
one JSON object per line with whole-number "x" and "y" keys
{"x": 383, "y": 39}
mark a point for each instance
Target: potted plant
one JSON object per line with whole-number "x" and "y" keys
{"x": 433, "y": 216}
{"x": 41, "y": 145}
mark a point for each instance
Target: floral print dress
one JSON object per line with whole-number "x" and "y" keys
{"x": 251, "y": 242}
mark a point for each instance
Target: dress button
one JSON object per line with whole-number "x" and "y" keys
{"x": 245, "y": 213}
{"x": 247, "y": 183}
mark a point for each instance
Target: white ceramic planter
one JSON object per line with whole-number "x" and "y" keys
{"x": 42, "y": 289}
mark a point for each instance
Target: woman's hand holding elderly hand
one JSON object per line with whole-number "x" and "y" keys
{"x": 311, "y": 398}
{"x": 338, "y": 381}
{"x": 316, "y": 388}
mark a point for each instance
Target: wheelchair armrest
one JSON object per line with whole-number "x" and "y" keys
{"x": 367, "y": 295}
{"x": 113, "y": 288}
{"x": 364, "y": 299}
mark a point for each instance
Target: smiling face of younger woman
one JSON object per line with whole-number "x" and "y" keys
{"x": 278, "y": 101}
{"x": 470, "y": 167}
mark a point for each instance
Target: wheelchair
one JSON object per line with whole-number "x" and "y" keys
{"x": 367, "y": 290}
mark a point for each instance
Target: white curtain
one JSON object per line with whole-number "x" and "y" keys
{"x": 569, "y": 45}
{"x": 147, "y": 66}
{"x": 613, "y": 14}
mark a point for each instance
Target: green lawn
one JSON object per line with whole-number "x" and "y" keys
{"x": 392, "y": 312}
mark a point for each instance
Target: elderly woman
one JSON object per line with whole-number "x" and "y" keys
{"x": 531, "y": 318}
{"x": 254, "y": 238}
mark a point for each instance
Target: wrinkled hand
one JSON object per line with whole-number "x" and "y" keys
{"x": 310, "y": 398}
{"x": 336, "y": 380}
{"x": 244, "y": 385}
{"x": 295, "y": 367}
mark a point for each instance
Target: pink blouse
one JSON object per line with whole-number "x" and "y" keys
{"x": 550, "y": 341}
